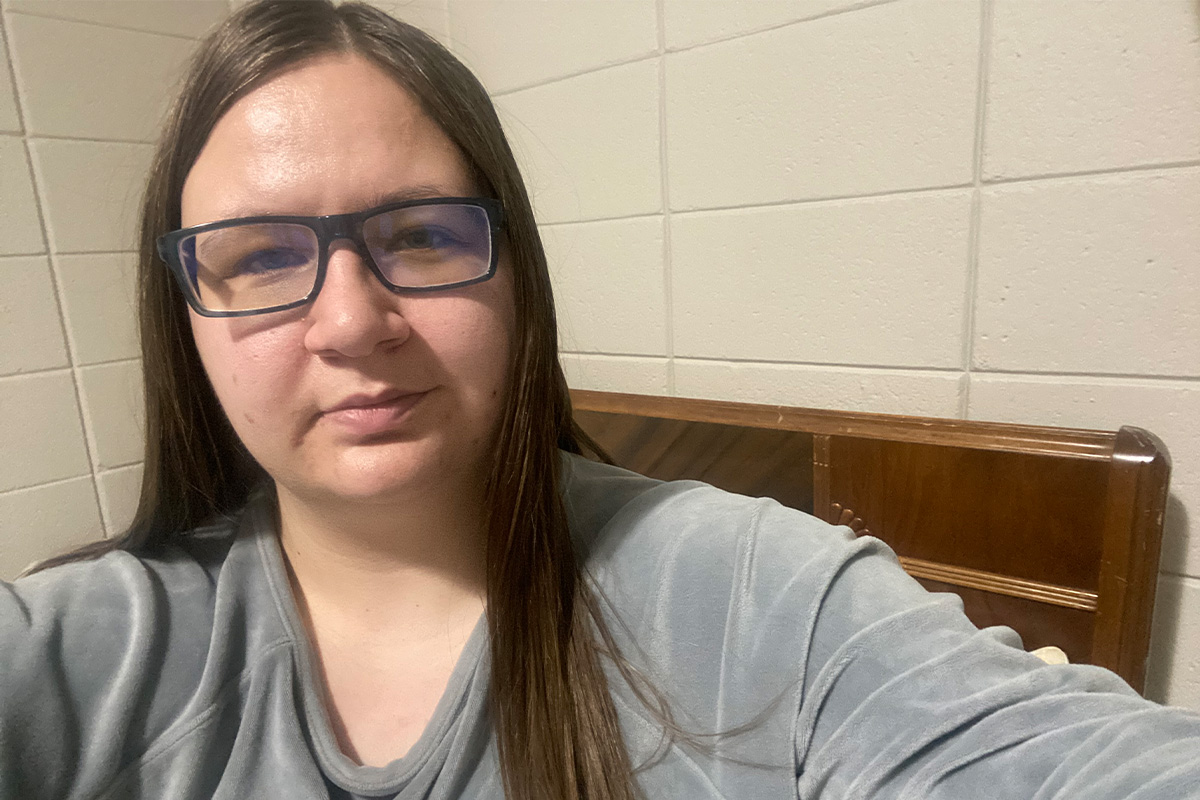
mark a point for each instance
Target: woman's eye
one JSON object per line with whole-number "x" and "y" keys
{"x": 421, "y": 239}
{"x": 264, "y": 261}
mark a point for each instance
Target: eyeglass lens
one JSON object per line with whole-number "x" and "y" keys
{"x": 262, "y": 265}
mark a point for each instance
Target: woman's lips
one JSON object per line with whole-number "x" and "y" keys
{"x": 372, "y": 418}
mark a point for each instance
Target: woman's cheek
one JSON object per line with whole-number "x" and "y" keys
{"x": 255, "y": 374}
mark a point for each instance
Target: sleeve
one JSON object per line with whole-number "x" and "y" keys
{"x": 79, "y": 674}
{"x": 904, "y": 698}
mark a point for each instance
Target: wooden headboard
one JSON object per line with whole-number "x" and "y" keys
{"x": 1054, "y": 532}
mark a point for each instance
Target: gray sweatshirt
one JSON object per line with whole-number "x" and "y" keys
{"x": 190, "y": 675}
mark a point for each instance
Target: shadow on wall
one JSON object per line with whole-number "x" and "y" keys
{"x": 1175, "y": 539}
{"x": 1166, "y": 634}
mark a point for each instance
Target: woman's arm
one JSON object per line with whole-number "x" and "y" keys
{"x": 87, "y": 677}
{"x": 905, "y": 698}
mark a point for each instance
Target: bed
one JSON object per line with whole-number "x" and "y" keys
{"x": 1053, "y": 532}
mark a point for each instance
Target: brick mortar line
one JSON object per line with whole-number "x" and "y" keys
{"x": 664, "y": 163}
{"x": 971, "y": 298}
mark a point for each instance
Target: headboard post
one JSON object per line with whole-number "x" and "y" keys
{"x": 1135, "y": 504}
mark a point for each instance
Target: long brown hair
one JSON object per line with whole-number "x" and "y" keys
{"x": 556, "y": 723}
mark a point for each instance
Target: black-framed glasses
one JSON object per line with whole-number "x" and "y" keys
{"x": 255, "y": 265}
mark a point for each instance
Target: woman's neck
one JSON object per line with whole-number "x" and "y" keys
{"x": 407, "y": 568}
{"x": 389, "y": 595}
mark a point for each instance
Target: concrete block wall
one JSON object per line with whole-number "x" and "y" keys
{"x": 983, "y": 209}
{"x": 962, "y": 208}
{"x": 83, "y": 86}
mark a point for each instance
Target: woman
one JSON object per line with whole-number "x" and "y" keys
{"x": 364, "y": 564}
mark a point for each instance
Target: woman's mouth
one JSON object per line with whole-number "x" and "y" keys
{"x": 363, "y": 416}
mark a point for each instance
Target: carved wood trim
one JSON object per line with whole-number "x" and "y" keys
{"x": 1076, "y": 443}
{"x": 820, "y": 479}
{"x": 847, "y": 517}
{"x": 1002, "y": 584}
{"x": 996, "y": 583}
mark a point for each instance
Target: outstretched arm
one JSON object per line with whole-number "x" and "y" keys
{"x": 905, "y": 698}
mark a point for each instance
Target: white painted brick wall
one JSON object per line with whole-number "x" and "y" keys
{"x": 558, "y": 39}
{"x": 1087, "y": 85}
{"x": 597, "y": 265}
{"x": 1092, "y": 274}
{"x": 569, "y": 133}
{"x": 83, "y": 87}
{"x": 788, "y": 283}
{"x": 67, "y": 77}
{"x": 859, "y": 103}
{"x": 979, "y": 208}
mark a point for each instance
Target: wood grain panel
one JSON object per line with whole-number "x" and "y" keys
{"x": 927, "y": 501}
{"x": 752, "y": 461}
{"x": 1086, "y": 444}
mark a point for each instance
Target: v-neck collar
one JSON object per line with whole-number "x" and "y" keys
{"x": 341, "y": 770}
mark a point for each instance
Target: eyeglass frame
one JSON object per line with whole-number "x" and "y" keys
{"x": 329, "y": 229}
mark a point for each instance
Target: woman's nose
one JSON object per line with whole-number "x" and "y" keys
{"x": 353, "y": 314}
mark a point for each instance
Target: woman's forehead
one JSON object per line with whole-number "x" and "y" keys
{"x": 326, "y": 137}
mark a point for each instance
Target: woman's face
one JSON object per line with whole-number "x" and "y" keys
{"x": 362, "y": 393}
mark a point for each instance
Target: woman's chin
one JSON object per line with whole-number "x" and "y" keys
{"x": 380, "y": 477}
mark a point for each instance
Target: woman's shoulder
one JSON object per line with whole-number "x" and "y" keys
{"x": 118, "y": 577}
{"x": 716, "y": 594}
{"x": 611, "y": 507}
{"x": 641, "y": 531}
{"x": 94, "y": 614}
{"x": 126, "y": 648}
{"x": 156, "y": 596}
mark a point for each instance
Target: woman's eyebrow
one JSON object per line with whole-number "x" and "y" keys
{"x": 422, "y": 191}
{"x": 419, "y": 192}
